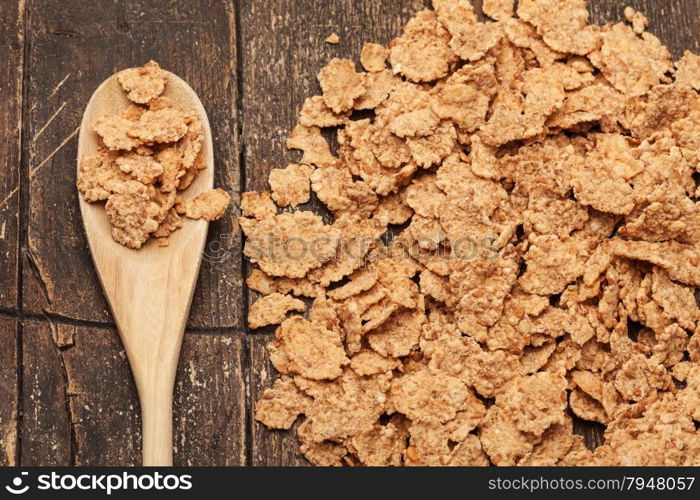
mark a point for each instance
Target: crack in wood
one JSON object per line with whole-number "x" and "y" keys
{"x": 36, "y": 272}
{"x": 68, "y": 400}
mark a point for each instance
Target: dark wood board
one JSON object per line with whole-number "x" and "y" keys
{"x": 81, "y": 406}
{"x": 72, "y": 47}
{"x": 11, "y": 73}
{"x": 45, "y": 427}
{"x": 210, "y": 401}
{"x": 9, "y": 394}
{"x": 253, "y": 62}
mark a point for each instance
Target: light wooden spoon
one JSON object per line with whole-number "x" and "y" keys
{"x": 149, "y": 290}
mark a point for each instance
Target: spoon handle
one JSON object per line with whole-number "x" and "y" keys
{"x": 157, "y": 418}
{"x": 154, "y": 362}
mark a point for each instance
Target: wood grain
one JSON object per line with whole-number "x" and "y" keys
{"x": 72, "y": 47}
{"x": 210, "y": 402}
{"x": 11, "y": 72}
{"x": 104, "y": 416}
{"x": 81, "y": 406}
{"x": 46, "y": 422}
{"x": 8, "y": 395}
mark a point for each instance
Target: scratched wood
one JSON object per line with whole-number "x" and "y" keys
{"x": 45, "y": 427}
{"x": 81, "y": 406}
{"x": 11, "y": 48}
{"x": 210, "y": 402}
{"x": 72, "y": 47}
{"x": 9, "y": 393}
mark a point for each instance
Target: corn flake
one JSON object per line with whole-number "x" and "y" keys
{"x": 512, "y": 240}
{"x": 132, "y": 214}
{"x": 143, "y": 84}
{"x": 272, "y": 309}
{"x": 291, "y": 185}
{"x": 309, "y": 350}
{"x": 422, "y": 54}
{"x": 210, "y": 205}
{"x": 373, "y": 57}
{"x": 289, "y": 244}
{"x": 341, "y": 85}
{"x": 280, "y": 406}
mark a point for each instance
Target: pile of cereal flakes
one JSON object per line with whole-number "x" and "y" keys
{"x": 514, "y": 245}
{"x": 148, "y": 153}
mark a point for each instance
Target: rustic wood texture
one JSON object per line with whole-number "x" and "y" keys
{"x": 10, "y": 390}
{"x": 210, "y": 402}
{"x": 81, "y": 407}
{"x": 72, "y": 47}
{"x": 46, "y": 422}
{"x": 11, "y": 72}
{"x": 67, "y": 368}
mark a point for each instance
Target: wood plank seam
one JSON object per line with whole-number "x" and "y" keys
{"x": 69, "y": 347}
{"x": 14, "y": 314}
{"x": 66, "y": 381}
{"x": 23, "y": 224}
{"x": 244, "y": 296}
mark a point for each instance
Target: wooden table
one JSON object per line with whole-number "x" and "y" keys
{"x": 67, "y": 397}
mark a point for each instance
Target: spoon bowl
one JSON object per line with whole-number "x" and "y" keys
{"x": 148, "y": 290}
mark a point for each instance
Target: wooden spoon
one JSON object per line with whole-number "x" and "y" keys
{"x": 149, "y": 290}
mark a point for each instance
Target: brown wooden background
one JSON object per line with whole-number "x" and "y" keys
{"x": 66, "y": 395}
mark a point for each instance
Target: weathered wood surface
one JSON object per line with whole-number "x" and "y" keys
{"x": 11, "y": 73}
{"x": 8, "y": 396}
{"x": 72, "y": 47}
{"x": 210, "y": 401}
{"x": 72, "y": 387}
{"x": 81, "y": 407}
{"x": 46, "y": 423}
